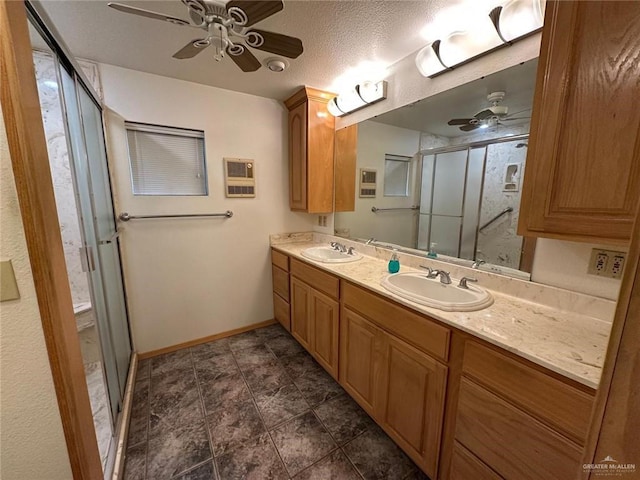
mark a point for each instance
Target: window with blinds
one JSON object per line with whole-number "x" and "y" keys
{"x": 166, "y": 160}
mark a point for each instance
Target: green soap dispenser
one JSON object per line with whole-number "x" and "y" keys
{"x": 394, "y": 263}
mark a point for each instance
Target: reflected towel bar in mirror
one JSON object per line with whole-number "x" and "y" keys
{"x": 125, "y": 217}
{"x": 376, "y": 209}
{"x": 504, "y": 212}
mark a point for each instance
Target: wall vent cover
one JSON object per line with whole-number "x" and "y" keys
{"x": 239, "y": 177}
{"x": 368, "y": 182}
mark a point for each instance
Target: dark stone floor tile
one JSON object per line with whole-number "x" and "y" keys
{"x": 220, "y": 390}
{"x": 244, "y": 340}
{"x": 170, "y": 362}
{"x": 139, "y": 421}
{"x": 252, "y": 356}
{"x": 301, "y": 442}
{"x": 233, "y": 425}
{"x": 272, "y": 331}
{"x": 221, "y": 364}
{"x": 144, "y": 370}
{"x": 299, "y": 364}
{"x": 203, "y": 472}
{"x": 417, "y": 475}
{"x": 266, "y": 376}
{"x": 283, "y": 345}
{"x": 174, "y": 401}
{"x": 344, "y": 418}
{"x": 255, "y": 460}
{"x": 280, "y": 404}
{"x": 318, "y": 386}
{"x": 377, "y": 458}
{"x": 211, "y": 349}
{"x": 335, "y": 467}
{"x": 134, "y": 463}
{"x": 177, "y": 450}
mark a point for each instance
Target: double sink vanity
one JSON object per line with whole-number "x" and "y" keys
{"x": 485, "y": 382}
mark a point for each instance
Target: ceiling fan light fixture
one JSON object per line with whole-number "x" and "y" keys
{"x": 276, "y": 64}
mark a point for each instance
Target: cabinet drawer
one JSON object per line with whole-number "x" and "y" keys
{"x": 411, "y": 327}
{"x": 514, "y": 444}
{"x": 280, "y": 282}
{"x": 563, "y": 407}
{"x": 316, "y": 278}
{"x": 281, "y": 312}
{"x": 465, "y": 466}
{"x": 280, "y": 260}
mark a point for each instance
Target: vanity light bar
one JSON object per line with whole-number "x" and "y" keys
{"x": 501, "y": 27}
{"x": 358, "y": 97}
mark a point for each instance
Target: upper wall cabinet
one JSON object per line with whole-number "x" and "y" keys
{"x": 311, "y": 144}
{"x": 582, "y": 177}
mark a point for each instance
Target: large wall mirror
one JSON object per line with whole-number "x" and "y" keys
{"x": 443, "y": 175}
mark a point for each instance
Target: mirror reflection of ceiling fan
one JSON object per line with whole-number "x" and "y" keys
{"x": 228, "y": 30}
{"x": 491, "y": 116}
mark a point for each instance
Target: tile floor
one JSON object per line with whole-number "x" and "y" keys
{"x": 252, "y": 406}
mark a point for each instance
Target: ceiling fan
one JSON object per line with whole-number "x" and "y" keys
{"x": 488, "y": 117}
{"x": 228, "y": 30}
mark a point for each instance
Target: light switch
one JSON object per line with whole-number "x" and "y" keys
{"x": 8, "y": 285}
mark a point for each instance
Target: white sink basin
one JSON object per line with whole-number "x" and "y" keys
{"x": 329, "y": 255}
{"x": 432, "y": 293}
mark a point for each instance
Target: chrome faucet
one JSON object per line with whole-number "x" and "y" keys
{"x": 445, "y": 278}
{"x": 370, "y": 241}
{"x": 351, "y": 250}
{"x": 339, "y": 247}
{"x": 464, "y": 280}
{"x": 431, "y": 273}
{"x": 477, "y": 264}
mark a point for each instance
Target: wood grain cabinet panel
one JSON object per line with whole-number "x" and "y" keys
{"x": 280, "y": 282}
{"x": 316, "y": 278}
{"x": 514, "y": 444}
{"x": 582, "y": 176}
{"x": 280, "y": 260}
{"x": 325, "y": 324}
{"x": 361, "y": 345}
{"x": 311, "y": 151}
{"x": 465, "y": 466}
{"x": 411, "y": 405}
{"x": 281, "y": 311}
{"x": 564, "y": 407}
{"x": 300, "y": 314}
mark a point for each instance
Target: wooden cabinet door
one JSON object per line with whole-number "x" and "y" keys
{"x": 298, "y": 157}
{"x": 281, "y": 311}
{"x": 411, "y": 403}
{"x": 300, "y": 316}
{"x": 465, "y": 466}
{"x": 360, "y": 358}
{"x": 345, "y": 166}
{"x": 324, "y": 335}
{"x": 582, "y": 176}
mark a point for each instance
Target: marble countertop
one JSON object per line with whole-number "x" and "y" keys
{"x": 569, "y": 343}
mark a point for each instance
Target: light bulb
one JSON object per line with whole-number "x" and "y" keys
{"x": 333, "y": 108}
{"x": 520, "y": 17}
{"x": 349, "y": 101}
{"x": 462, "y": 46}
{"x": 427, "y": 62}
{"x": 372, "y": 92}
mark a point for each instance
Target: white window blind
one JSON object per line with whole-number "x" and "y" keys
{"x": 396, "y": 175}
{"x": 166, "y": 160}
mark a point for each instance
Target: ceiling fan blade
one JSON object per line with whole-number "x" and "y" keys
{"x": 279, "y": 44}
{"x": 246, "y": 60}
{"x": 459, "y": 121}
{"x": 470, "y": 127}
{"x": 484, "y": 114}
{"x": 190, "y": 50}
{"x": 514, "y": 118}
{"x": 516, "y": 113}
{"x": 147, "y": 13}
{"x": 257, "y": 10}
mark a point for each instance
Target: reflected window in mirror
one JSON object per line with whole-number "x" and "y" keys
{"x": 396, "y": 175}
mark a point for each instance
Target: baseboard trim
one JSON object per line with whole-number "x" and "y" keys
{"x": 210, "y": 338}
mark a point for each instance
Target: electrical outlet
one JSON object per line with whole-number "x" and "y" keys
{"x": 606, "y": 263}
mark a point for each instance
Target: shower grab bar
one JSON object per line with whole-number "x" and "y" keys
{"x": 125, "y": 217}
{"x": 376, "y": 209}
{"x": 504, "y": 212}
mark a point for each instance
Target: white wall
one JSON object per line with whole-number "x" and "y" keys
{"x": 33, "y": 444}
{"x": 190, "y": 278}
{"x": 374, "y": 141}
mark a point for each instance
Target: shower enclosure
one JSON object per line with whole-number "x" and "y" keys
{"x": 72, "y": 117}
{"x": 470, "y": 200}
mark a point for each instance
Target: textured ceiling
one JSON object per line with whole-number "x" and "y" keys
{"x": 433, "y": 113}
{"x": 337, "y": 36}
